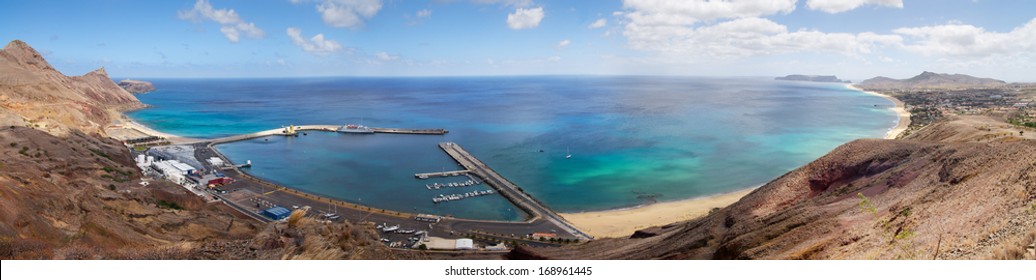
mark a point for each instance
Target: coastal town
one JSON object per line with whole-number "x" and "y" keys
{"x": 1012, "y": 103}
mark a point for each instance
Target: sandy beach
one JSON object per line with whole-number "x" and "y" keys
{"x": 900, "y": 109}
{"x": 126, "y": 122}
{"x": 623, "y": 222}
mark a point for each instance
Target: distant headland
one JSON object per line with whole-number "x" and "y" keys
{"x": 813, "y": 78}
{"x": 136, "y": 86}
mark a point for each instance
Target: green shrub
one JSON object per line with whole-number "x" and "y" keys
{"x": 111, "y": 187}
{"x": 169, "y": 205}
{"x": 866, "y": 205}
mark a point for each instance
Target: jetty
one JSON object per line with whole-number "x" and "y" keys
{"x": 508, "y": 189}
{"x": 294, "y": 130}
{"x": 441, "y": 174}
{"x": 437, "y": 131}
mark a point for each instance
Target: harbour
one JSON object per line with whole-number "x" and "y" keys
{"x": 267, "y": 201}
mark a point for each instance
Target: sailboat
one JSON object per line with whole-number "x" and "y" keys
{"x": 568, "y": 154}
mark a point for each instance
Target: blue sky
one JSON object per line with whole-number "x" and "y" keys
{"x": 217, "y": 38}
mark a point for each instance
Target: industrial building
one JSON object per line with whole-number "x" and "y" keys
{"x": 174, "y": 170}
{"x": 276, "y": 213}
{"x": 215, "y": 162}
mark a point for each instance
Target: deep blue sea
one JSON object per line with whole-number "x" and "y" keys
{"x": 633, "y": 139}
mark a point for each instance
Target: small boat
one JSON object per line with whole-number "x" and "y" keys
{"x": 568, "y": 154}
{"x": 390, "y": 229}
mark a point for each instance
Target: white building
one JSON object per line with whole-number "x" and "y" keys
{"x": 183, "y": 168}
{"x": 172, "y": 170}
{"x": 215, "y": 161}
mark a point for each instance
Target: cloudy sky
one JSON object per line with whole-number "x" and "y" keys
{"x": 219, "y": 38}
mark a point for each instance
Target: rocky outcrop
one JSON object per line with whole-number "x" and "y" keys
{"x": 135, "y": 86}
{"x": 34, "y": 94}
{"x": 936, "y": 196}
{"x": 929, "y": 80}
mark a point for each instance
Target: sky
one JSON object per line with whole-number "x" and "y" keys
{"x": 854, "y": 39}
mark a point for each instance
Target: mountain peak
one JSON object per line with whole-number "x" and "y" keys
{"x": 23, "y": 54}
{"x": 99, "y": 71}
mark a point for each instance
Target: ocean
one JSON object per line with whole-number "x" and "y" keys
{"x": 633, "y": 139}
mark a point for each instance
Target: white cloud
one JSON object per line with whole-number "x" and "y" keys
{"x": 348, "y": 13}
{"x": 525, "y": 18}
{"x": 232, "y": 26}
{"x": 316, "y": 45}
{"x": 838, "y": 6}
{"x": 564, "y": 43}
{"x": 384, "y": 56}
{"x": 677, "y": 12}
{"x": 957, "y": 39}
{"x": 598, "y": 24}
{"x": 670, "y": 29}
{"x": 424, "y": 13}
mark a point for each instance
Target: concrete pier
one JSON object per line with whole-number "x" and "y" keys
{"x": 437, "y": 131}
{"x": 317, "y": 127}
{"x": 509, "y": 190}
{"x": 441, "y": 174}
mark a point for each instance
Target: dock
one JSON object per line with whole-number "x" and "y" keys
{"x": 508, "y": 189}
{"x": 437, "y": 131}
{"x": 294, "y": 131}
{"x": 441, "y": 174}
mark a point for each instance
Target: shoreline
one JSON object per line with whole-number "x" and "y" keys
{"x": 904, "y": 116}
{"x": 619, "y": 223}
{"x": 126, "y": 122}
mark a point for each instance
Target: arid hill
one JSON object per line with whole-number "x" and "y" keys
{"x": 34, "y": 94}
{"x": 929, "y": 80}
{"x": 954, "y": 190}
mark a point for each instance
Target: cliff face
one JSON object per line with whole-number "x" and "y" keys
{"x": 868, "y": 199}
{"x": 33, "y": 93}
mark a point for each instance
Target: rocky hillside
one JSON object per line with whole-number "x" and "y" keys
{"x": 929, "y": 80}
{"x": 34, "y": 94}
{"x": 77, "y": 197}
{"x": 935, "y": 195}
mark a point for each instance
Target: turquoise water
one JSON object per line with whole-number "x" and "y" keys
{"x": 633, "y": 140}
